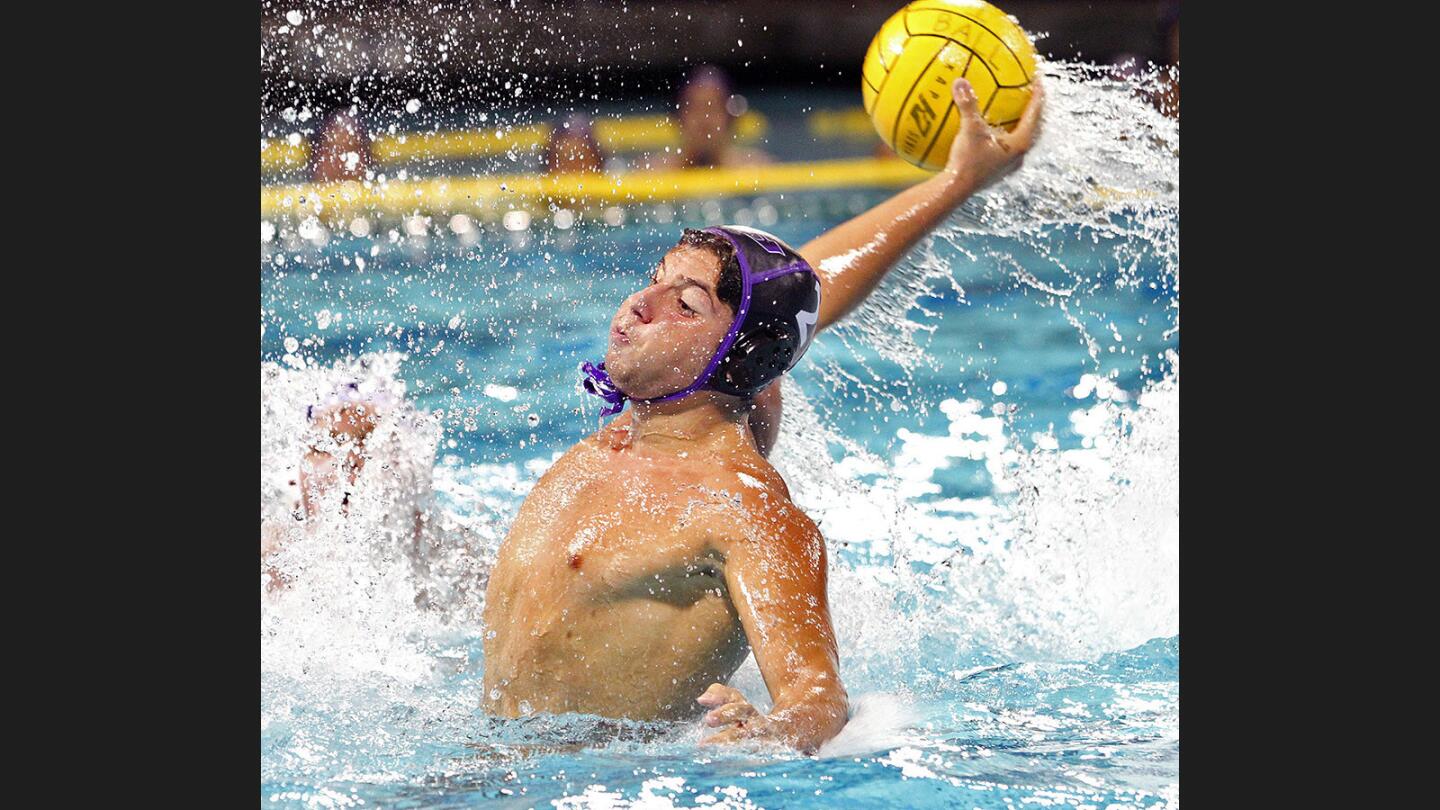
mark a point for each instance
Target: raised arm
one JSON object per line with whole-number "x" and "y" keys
{"x": 853, "y": 257}
{"x": 776, "y": 578}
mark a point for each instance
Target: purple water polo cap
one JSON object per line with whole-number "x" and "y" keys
{"x": 773, "y": 326}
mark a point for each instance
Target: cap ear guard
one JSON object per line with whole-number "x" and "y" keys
{"x": 756, "y": 359}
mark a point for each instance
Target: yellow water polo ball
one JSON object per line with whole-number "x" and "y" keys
{"x": 920, "y": 50}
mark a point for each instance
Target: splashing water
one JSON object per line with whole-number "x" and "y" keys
{"x": 1015, "y": 639}
{"x": 370, "y": 584}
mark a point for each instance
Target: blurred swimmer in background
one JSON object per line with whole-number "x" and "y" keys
{"x": 341, "y": 150}
{"x": 1168, "y": 99}
{"x": 705, "y": 115}
{"x": 359, "y": 453}
{"x": 572, "y": 148}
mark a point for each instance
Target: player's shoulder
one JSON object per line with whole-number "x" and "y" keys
{"x": 766, "y": 510}
{"x": 582, "y": 456}
{"x": 751, "y": 479}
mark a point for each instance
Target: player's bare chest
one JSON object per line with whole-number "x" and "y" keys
{"x": 626, "y": 523}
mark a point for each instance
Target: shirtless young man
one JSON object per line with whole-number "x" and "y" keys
{"x": 653, "y": 555}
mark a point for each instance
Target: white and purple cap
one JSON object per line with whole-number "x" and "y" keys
{"x": 773, "y": 326}
{"x": 349, "y": 392}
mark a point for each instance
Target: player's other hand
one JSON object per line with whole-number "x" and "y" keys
{"x": 982, "y": 154}
{"x": 730, "y": 711}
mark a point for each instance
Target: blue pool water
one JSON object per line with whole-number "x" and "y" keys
{"x": 524, "y": 312}
{"x": 991, "y": 450}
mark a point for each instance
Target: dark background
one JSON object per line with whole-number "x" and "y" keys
{"x": 463, "y": 53}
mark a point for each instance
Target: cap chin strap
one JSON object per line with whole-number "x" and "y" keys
{"x": 599, "y": 383}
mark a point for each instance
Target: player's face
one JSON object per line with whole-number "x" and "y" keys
{"x": 664, "y": 335}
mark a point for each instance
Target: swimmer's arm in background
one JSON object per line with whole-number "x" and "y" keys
{"x": 776, "y": 577}
{"x": 271, "y": 538}
{"x": 853, "y": 257}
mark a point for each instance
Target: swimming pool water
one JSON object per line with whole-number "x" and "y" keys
{"x": 520, "y": 312}
{"x": 1020, "y": 684}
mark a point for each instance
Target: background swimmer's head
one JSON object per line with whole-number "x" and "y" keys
{"x": 346, "y": 422}
{"x": 572, "y": 147}
{"x": 665, "y": 334}
{"x": 1169, "y": 28}
{"x": 348, "y": 414}
{"x": 704, "y": 116}
{"x": 342, "y": 149}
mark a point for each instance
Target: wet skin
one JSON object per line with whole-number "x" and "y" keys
{"x": 611, "y": 594}
{"x": 655, "y": 554}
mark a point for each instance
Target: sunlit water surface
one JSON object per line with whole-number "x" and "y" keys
{"x": 990, "y": 447}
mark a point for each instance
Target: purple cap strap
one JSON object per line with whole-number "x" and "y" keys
{"x": 599, "y": 383}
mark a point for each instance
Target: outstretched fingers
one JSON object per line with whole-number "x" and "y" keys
{"x": 1028, "y": 129}
{"x": 966, "y": 102}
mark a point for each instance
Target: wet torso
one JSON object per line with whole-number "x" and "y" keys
{"x": 609, "y": 594}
